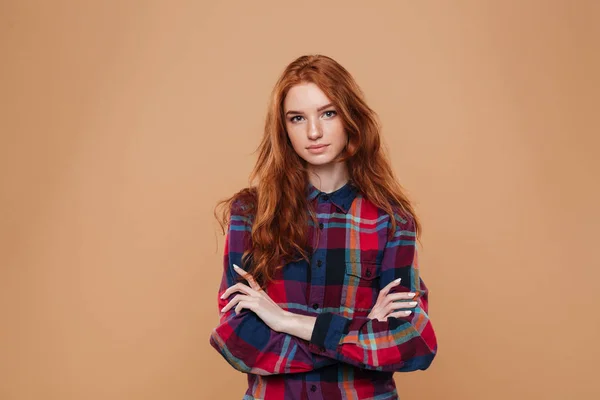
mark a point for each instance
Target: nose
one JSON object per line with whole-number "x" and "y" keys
{"x": 314, "y": 130}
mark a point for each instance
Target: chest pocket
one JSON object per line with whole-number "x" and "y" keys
{"x": 361, "y": 287}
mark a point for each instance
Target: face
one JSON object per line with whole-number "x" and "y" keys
{"x": 313, "y": 125}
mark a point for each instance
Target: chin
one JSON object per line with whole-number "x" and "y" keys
{"x": 318, "y": 161}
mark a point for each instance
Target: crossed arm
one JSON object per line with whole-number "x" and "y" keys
{"x": 256, "y": 336}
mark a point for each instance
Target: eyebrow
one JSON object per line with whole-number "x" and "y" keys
{"x": 318, "y": 109}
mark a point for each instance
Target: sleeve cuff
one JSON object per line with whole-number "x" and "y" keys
{"x": 328, "y": 331}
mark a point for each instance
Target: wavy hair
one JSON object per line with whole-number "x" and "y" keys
{"x": 277, "y": 203}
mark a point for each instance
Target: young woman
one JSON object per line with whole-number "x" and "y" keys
{"x": 321, "y": 296}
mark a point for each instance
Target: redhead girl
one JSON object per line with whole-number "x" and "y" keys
{"x": 321, "y": 295}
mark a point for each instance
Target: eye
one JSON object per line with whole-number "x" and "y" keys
{"x": 330, "y": 113}
{"x": 295, "y": 116}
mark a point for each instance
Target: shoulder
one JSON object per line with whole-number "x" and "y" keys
{"x": 404, "y": 220}
{"x": 243, "y": 205}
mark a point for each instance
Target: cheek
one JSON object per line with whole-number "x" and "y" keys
{"x": 337, "y": 134}
{"x": 294, "y": 138}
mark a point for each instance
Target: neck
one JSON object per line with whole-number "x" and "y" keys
{"x": 328, "y": 178}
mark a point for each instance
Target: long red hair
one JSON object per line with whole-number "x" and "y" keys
{"x": 276, "y": 201}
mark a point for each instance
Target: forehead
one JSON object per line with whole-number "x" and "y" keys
{"x": 305, "y": 96}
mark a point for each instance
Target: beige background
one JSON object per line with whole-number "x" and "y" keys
{"x": 124, "y": 122}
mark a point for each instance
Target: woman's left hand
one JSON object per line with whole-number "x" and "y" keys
{"x": 255, "y": 299}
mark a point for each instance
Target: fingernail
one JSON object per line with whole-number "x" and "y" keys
{"x": 223, "y": 296}
{"x": 412, "y": 303}
{"x": 235, "y": 266}
{"x": 411, "y": 294}
{"x": 398, "y": 280}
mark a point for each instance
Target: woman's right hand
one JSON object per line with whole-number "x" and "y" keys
{"x": 387, "y": 304}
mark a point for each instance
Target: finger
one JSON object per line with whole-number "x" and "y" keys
{"x": 400, "y": 304}
{"x": 400, "y": 296}
{"x": 238, "y": 287}
{"x": 233, "y": 302}
{"x": 381, "y": 318}
{"x": 247, "y": 277}
{"x": 243, "y": 304}
{"x": 399, "y": 314}
{"x": 391, "y": 297}
{"x": 388, "y": 287}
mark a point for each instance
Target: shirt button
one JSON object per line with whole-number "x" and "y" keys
{"x": 368, "y": 272}
{"x": 321, "y": 225}
{"x": 313, "y": 388}
{"x": 319, "y": 263}
{"x": 316, "y": 305}
{"x": 325, "y": 197}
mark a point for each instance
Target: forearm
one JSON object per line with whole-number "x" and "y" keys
{"x": 301, "y": 326}
{"x": 251, "y": 346}
{"x": 403, "y": 344}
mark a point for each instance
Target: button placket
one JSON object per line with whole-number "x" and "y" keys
{"x": 317, "y": 290}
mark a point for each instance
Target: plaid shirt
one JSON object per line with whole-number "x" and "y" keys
{"x": 349, "y": 356}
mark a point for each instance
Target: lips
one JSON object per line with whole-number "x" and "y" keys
{"x": 318, "y": 149}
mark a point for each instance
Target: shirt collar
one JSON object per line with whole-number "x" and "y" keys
{"x": 342, "y": 197}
